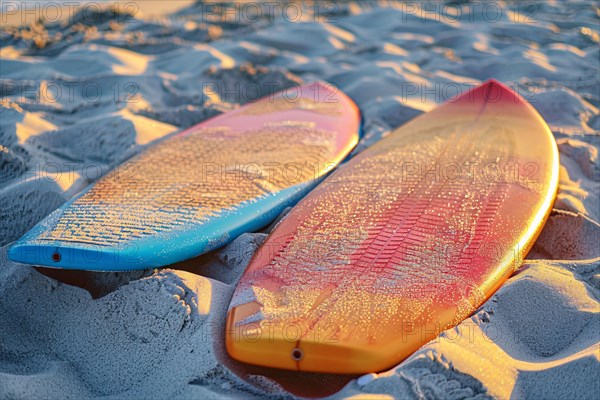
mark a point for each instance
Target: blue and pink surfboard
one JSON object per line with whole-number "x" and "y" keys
{"x": 199, "y": 189}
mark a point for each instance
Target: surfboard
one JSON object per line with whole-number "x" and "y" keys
{"x": 404, "y": 241}
{"x": 198, "y": 190}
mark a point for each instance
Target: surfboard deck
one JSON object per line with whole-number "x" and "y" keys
{"x": 198, "y": 190}
{"x": 404, "y": 241}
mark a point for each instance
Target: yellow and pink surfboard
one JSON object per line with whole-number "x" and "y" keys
{"x": 405, "y": 240}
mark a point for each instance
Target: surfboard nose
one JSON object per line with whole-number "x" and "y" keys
{"x": 494, "y": 82}
{"x": 495, "y": 89}
{"x": 491, "y": 91}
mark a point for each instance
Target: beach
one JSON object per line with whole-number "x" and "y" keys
{"x": 87, "y": 87}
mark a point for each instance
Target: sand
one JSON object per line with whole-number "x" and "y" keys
{"x": 81, "y": 96}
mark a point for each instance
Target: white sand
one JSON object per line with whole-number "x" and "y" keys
{"x": 159, "y": 334}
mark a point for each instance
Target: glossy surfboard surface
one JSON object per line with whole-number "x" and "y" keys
{"x": 405, "y": 240}
{"x": 198, "y": 190}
